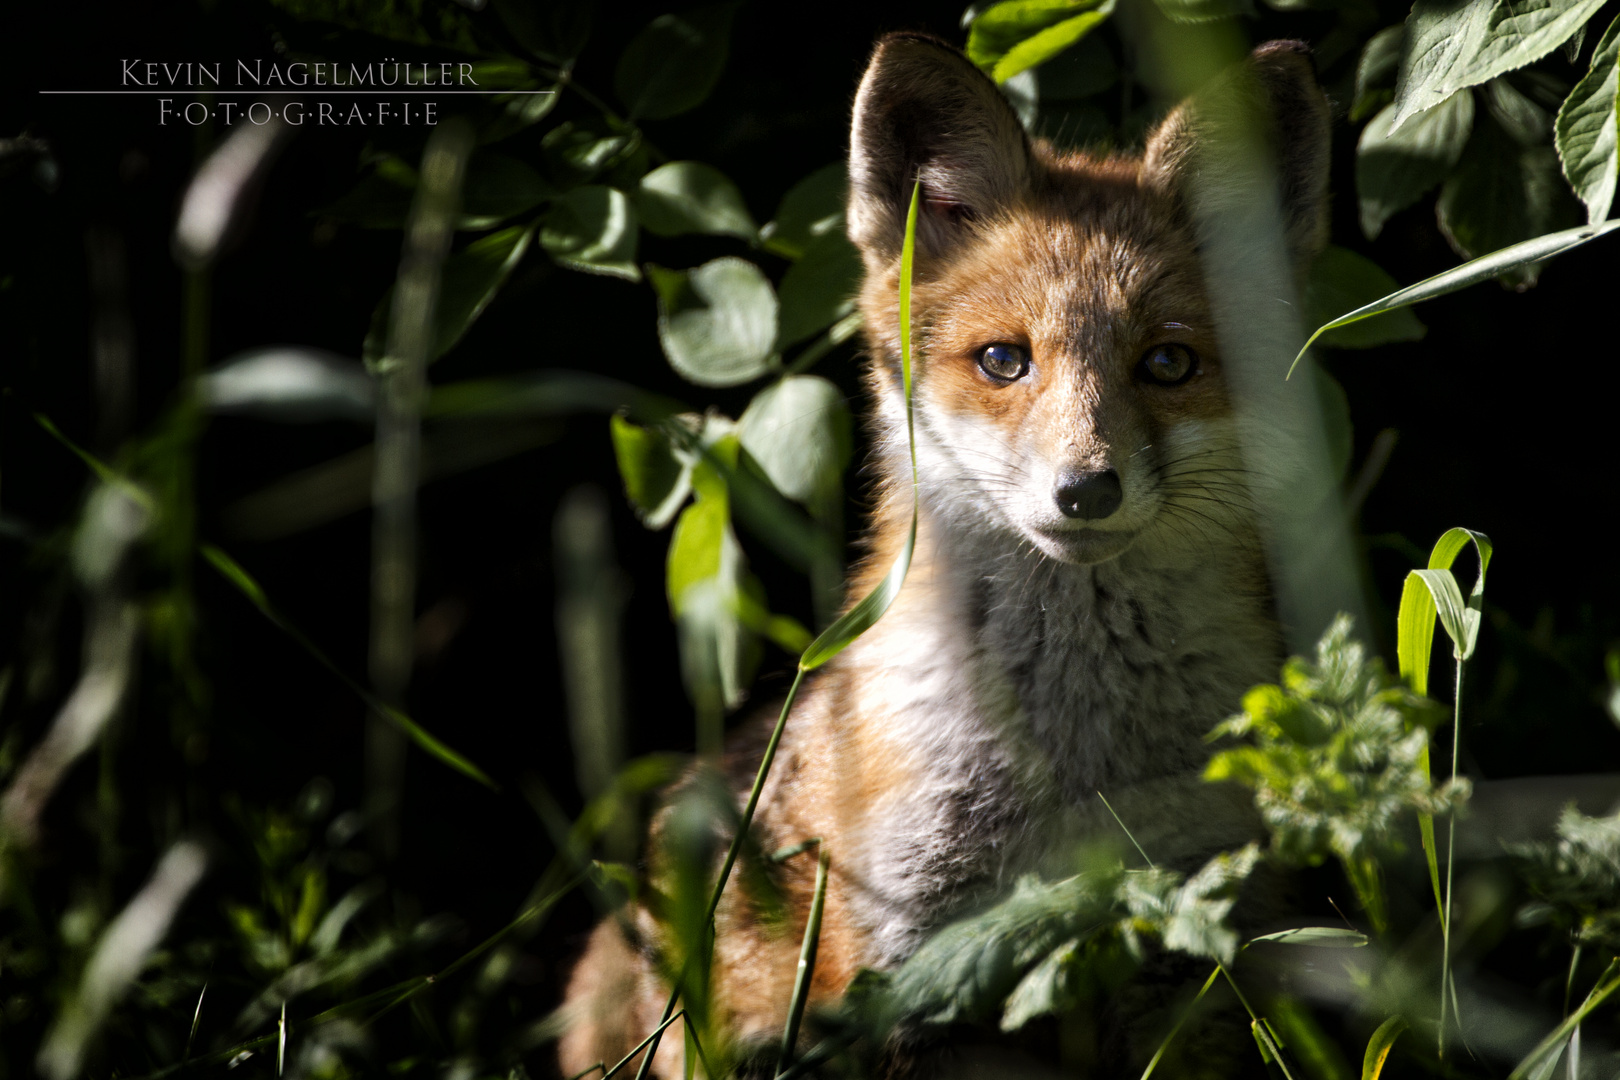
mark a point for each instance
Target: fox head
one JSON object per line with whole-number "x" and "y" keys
{"x": 1071, "y": 389}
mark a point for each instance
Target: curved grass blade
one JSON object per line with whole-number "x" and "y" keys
{"x": 1469, "y": 273}
{"x": 1185, "y": 1016}
{"x": 1379, "y": 1046}
{"x": 1330, "y": 937}
{"x": 232, "y": 571}
{"x": 844, "y": 630}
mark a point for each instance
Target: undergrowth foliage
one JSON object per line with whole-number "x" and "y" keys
{"x": 160, "y": 916}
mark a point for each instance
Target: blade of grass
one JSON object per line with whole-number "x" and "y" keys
{"x": 232, "y": 571}
{"x": 1469, "y": 273}
{"x": 1185, "y": 1016}
{"x": 1379, "y": 1046}
{"x": 845, "y": 629}
{"x": 1607, "y": 985}
{"x": 807, "y": 961}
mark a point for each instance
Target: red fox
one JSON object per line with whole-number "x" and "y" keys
{"x": 1089, "y": 593}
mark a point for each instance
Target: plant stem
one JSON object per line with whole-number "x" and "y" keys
{"x": 807, "y": 961}
{"x": 1451, "y": 846}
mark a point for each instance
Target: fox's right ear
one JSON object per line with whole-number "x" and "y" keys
{"x": 925, "y": 112}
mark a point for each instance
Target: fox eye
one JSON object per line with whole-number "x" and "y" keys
{"x": 1004, "y": 362}
{"x": 1168, "y": 365}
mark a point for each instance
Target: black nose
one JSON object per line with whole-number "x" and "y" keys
{"x": 1092, "y": 496}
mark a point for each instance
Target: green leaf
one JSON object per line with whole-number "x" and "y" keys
{"x": 1341, "y": 280}
{"x": 1379, "y": 1046}
{"x": 1394, "y": 168}
{"x": 811, "y": 208}
{"x": 716, "y": 322}
{"x": 1327, "y": 937}
{"x": 1587, "y": 123}
{"x": 470, "y": 280}
{"x": 655, "y": 479}
{"x": 1503, "y": 193}
{"x": 593, "y": 228}
{"x": 1469, "y": 273}
{"x": 1375, "y": 72}
{"x": 1454, "y": 44}
{"x": 690, "y": 197}
{"x": 1198, "y": 11}
{"x": 497, "y": 187}
{"x": 819, "y": 289}
{"x": 1045, "y": 989}
{"x": 1016, "y": 35}
{"x": 673, "y": 64}
{"x": 798, "y": 432}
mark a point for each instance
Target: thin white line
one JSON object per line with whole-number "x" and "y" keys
{"x": 296, "y": 93}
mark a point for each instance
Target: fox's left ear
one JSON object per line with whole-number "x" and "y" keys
{"x": 1275, "y": 91}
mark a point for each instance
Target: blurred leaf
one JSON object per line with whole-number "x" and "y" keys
{"x": 1376, "y": 71}
{"x": 706, "y": 578}
{"x": 673, "y": 64}
{"x": 1470, "y": 273}
{"x": 1451, "y": 46}
{"x": 497, "y": 187}
{"x": 593, "y": 229}
{"x": 819, "y": 289}
{"x": 1395, "y": 168}
{"x": 470, "y": 280}
{"x": 1328, "y": 937}
{"x": 290, "y": 383}
{"x": 1016, "y": 35}
{"x": 716, "y": 322}
{"x": 1526, "y": 122}
{"x": 1379, "y": 1046}
{"x": 1501, "y": 194}
{"x": 1197, "y": 11}
{"x": 690, "y": 197}
{"x": 1341, "y": 280}
{"x": 798, "y": 431}
{"x": 555, "y": 30}
{"x": 1047, "y": 989}
{"x": 656, "y": 481}
{"x": 1576, "y": 879}
{"x": 576, "y": 151}
{"x": 1587, "y": 128}
{"x": 811, "y": 208}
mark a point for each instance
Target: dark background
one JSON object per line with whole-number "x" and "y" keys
{"x": 1503, "y": 417}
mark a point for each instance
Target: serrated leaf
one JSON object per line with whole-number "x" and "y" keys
{"x": 1586, "y": 128}
{"x": 690, "y": 197}
{"x": 656, "y": 481}
{"x": 1015, "y": 35}
{"x": 1395, "y": 167}
{"x": 1452, "y": 45}
{"x": 593, "y": 228}
{"x": 1503, "y": 193}
{"x": 1540, "y": 249}
{"x": 811, "y": 208}
{"x": 1044, "y": 990}
{"x": 798, "y": 432}
{"x": 673, "y": 64}
{"x": 716, "y": 322}
{"x": 1341, "y": 280}
{"x": 819, "y": 289}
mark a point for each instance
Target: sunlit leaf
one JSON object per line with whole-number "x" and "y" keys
{"x": 656, "y": 481}
{"x": 673, "y": 64}
{"x": 798, "y": 431}
{"x": 716, "y": 322}
{"x": 1341, "y": 280}
{"x": 1395, "y": 167}
{"x": 1197, "y": 11}
{"x": 1452, "y": 45}
{"x": 593, "y": 229}
{"x": 690, "y": 197}
{"x": 1328, "y": 937}
{"x": 1587, "y": 128}
{"x": 1015, "y": 35}
{"x": 1469, "y": 273}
